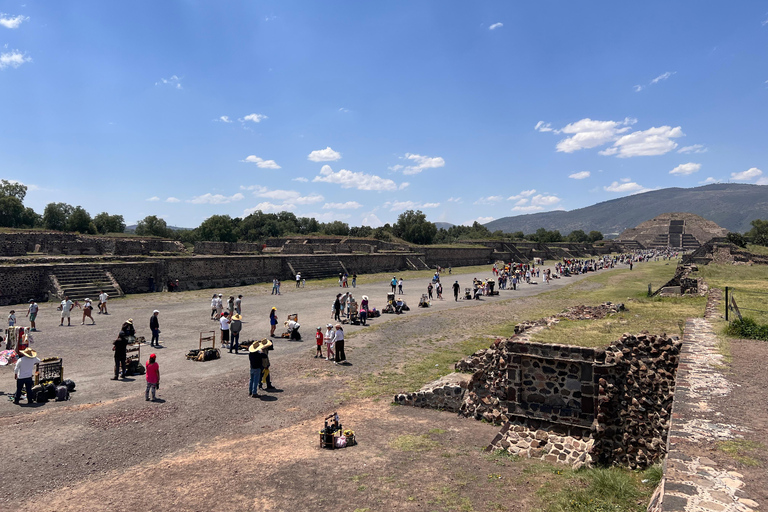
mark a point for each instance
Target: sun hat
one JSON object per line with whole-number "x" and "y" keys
{"x": 28, "y": 352}
{"x": 260, "y": 345}
{"x": 338, "y": 326}
{"x": 236, "y": 317}
{"x": 274, "y": 308}
{"x": 365, "y": 297}
{"x": 329, "y": 325}
{"x": 220, "y": 295}
{"x": 31, "y": 300}
{"x": 155, "y": 311}
{"x": 129, "y": 321}
{"x": 86, "y": 300}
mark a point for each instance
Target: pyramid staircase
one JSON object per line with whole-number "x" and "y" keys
{"x": 81, "y": 281}
{"x": 316, "y": 267}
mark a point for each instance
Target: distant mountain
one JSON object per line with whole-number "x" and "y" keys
{"x": 444, "y": 225}
{"x": 731, "y": 205}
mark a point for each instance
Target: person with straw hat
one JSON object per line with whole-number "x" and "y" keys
{"x": 120, "y": 347}
{"x": 235, "y": 326}
{"x": 255, "y": 358}
{"x": 23, "y": 373}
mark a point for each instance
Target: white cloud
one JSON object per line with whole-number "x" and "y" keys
{"x": 265, "y": 207}
{"x": 342, "y": 109}
{"x": 762, "y": 181}
{"x": 288, "y": 197}
{"x": 625, "y": 187}
{"x": 216, "y": 199}
{"x": 454, "y": 200}
{"x": 174, "y": 81}
{"x": 13, "y": 59}
{"x": 422, "y": 163}
{"x": 153, "y": 198}
{"x": 397, "y": 206}
{"x": 480, "y": 220}
{"x": 12, "y": 22}
{"x": 301, "y": 179}
{"x": 489, "y": 200}
{"x": 708, "y": 181}
{"x": 748, "y": 175}
{"x": 524, "y": 193}
{"x": 653, "y": 141}
{"x": 527, "y": 208}
{"x": 396, "y": 167}
{"x": 403, "y": 185}
{"x": 256, "y": 118}
{"x": 685, "y": 169}
{"x": 534, "y": 204}
{"x": 173, "y": 200}
{"x": 541, "y": 126}
{"x": 358, "y": 180}
{"x": 580, "y": 175}
{"x": 764, "y": 23}
{"x": 324, "y": 155}
{"x": 521, "y": 202}
{"x": 638, "y": 88}
{"x": 495, "y": 26}
{"x": 696, "y": 148}
{"x": 588, "y": 133}
{"x": 542, "y": 200}
{"x": 261, "y": 163}
{"x": 663, "y": 77}
{"x": 349, "y": 205}
{"x": 371, "y": 220}
{"x": 224, "y": 119}
{"x": 430, "y": 205}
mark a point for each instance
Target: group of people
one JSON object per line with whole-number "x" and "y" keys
{"x": 344, "y": 280}
{"x": 332, "y": 338}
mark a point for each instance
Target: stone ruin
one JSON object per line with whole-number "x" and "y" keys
{"x": 574, "y": 405}
{"x": 685, "y": 231}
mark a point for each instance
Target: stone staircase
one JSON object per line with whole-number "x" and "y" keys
{"x": 316, "y": 267}
{"x": 81, "y": 281}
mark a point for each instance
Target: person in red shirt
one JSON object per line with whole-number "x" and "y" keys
{"x": 319, "y": 341}
{"x": 153, "y": 377}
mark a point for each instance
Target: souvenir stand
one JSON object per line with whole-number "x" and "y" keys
{"x": 333, "y": 435}
{"x": 205, "y": 353}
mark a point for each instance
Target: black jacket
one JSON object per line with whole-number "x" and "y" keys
{"x": 154, "y": 323}
{"x": 255, "y": 359}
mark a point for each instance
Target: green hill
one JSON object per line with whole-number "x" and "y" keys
{"x": 731, "y": 205}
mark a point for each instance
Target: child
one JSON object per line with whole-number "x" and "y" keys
{"x": 319, "y": 338}
{"x": 328, "y": 340}
{"x": 12, "y": 318}
{"x": 153, "y": 377}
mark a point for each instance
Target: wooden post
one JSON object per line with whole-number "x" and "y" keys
{"x": 726, "y": 303}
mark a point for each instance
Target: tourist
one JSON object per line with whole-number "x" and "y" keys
{"x": 362, "y": 314}
{"x": 319, "y": 342}
{"x": 231, "y": 305}
{"x": 235, "y": 326}
{"x": 439, "y": 291}
{"x": 32, "y": 313}
{"x": 23, "y": 373}
{"x": 239, "y": 305}
{"x": 344, "y": 283}
{"x": 292, "y": 326}
{"x": 399, "y": 287}
{"x": 341, "y": 279}
{"x": 274, "y": 286}
{"x": 278, "y": 286}
{"x": 12, "y": 318}
{"x": 120, "y": 347}
{"x": 354, "y": 280}
{"x": 214, "y": 301}
{"x": 337, "y": 307}
{"x": 266, "y": 375}
{"x": 224, "y": 322}
{"x": 298, "y": 279}
{"x": 328, "y": 340}
{"x": 272, "y": 321}
{"x": 103, "y": 296}
{"x": 87, "y": 309}
{"x": 154, "y": 326}
{"x": 456, "y": 289}
{"x": 153, "y": 377}
{"x": 254, "y": 358}
{"x": 66, "y": 308}
{"x": 338, "y": 341}
{"x": 219, "y": 306}
{"x": 393, "y": 284}
{"x": 429, "y": 290}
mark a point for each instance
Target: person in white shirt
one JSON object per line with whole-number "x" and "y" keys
{"x": 87, "y": 308}
{"x": 103, "y": 296}
{"x": 214, "y": 302}
{"x": 338, "y": 341}
{"x": 219, "y": 305}
{"x": 224, "y": 321}
{"x": 23, "y": 373}
{"x": 328, "y": 340}
{"x": 66, "y": 307}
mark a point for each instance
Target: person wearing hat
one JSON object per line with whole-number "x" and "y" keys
{"x": 319, "y": 342}
{"x": 219, "y": 305}
{"x": 154, "y": 326}
{"x": 87, "y": 308}
{"x": 456, "y": 289}
{"x": 23, "y": 372}
{"x": 66, "y": 308}
{"x": 224, "y": 321}
{"x": 272, "y": 321}
{"x": 153, "y": 377}
{"x": 32, "y": 313}
{"x": 120, "y": 346}
{"x": 235, "y": 326}
{"x": 328, "y": 340}
{"x": 266, "y": 374}
{"x": 255, "y": 358}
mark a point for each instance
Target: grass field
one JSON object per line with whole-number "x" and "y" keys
{"x": 749, "y": 284}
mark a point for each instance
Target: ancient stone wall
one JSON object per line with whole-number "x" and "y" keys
{"x": 457, "y": 256}
{"x": 12, "y": 246}
{"x": 19, "y": 284}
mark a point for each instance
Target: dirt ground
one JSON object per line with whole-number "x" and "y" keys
{"x": 205, "y": 445}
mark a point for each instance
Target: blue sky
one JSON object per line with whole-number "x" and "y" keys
{"x": 357, "y": 111}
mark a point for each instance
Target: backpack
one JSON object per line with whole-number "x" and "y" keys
{"x": 70, "y": 385}
{"x": 39, "y": 395}
{"x": 62, "y": 393}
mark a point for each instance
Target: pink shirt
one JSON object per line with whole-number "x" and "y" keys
{"x": 153, "y": 373}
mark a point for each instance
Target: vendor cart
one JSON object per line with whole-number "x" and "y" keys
{"x": 50, "y": 369}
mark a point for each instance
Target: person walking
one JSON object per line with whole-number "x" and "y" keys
{"x": 278, "y": 286}
{"x": 393, "y": 283}
{"x": 354, "y": 280}
{"x": 213, "y": 307}
{"x": 272, "y": 322}
{"x": 66, "y": 308}
{"x": 338, "y": 341}
{"x": 274, "y": 287}
{"x": 231, "y": 305}
{"x": 235, "y": 326}
{"x": 87, "y": 309}
{"x": 439, "y": 291}
{"x": 224, "y": 322}
{"x": 328, "y": 340}
{"x": 154, "y": 326}
{"x": 298, "y": 279}
{"x": 103, "y": 296}
{"x": 12, "y": 318}
{"x": 120, "y": 346}
{"x": 32, "y": 313}
{"x": 153, "y": 377}
{"x": 456, "y": 289}
{"x": 23, "y": 373}
{"x": 337, "y": 308}
{"x": 399, "y": 287}
{"x": 219, "y": 305}
{"x": 254, "y": 359}
{"x": 429, "y": 290}
{"x": 239, "y": 305}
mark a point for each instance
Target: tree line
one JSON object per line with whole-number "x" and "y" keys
{"x": 411, "y": 226}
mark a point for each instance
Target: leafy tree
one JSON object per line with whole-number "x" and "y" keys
{"x": 307, "y": 225}
{"x": 517, "y": 235}
{"x": 577, "y": 236}
{"x": 414, "y": 227}
{"x": 335, "y": 228}
{"x": 151, "y": 225}
{"x": 13, "y": 189}
{"x": 218, "y": 228}
{"x": 595, "y": 236}
{"x": 543, "y": 236}
{"x": 55, "y": 216}
{"x": 106, "y": 223}
{"x": 737, "y": 239}
{"x": 759, "y": 232}
{"x": 383, "y": 233}
{"x": 258, "y": 226}
{"x": 362, "y": 231}
{"x": 12, "y": 211}
{"x": 80, "y": 221}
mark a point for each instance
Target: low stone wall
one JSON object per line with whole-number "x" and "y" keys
{"x": 456, "y": 256}
{"x": 446, "y": 394}
{"x": 545, "y": 441}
